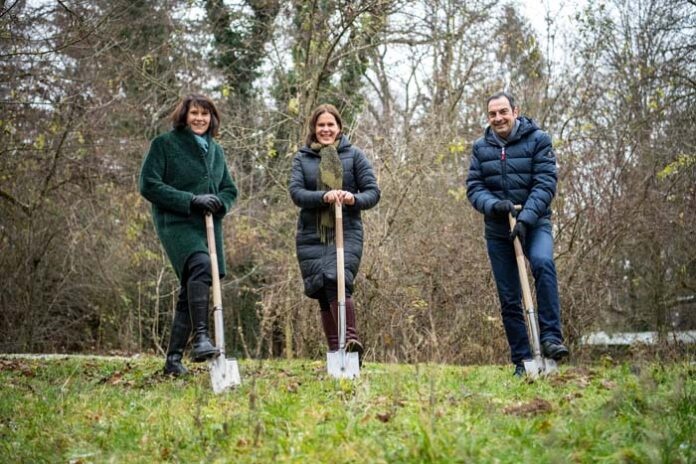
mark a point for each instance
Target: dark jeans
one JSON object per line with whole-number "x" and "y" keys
{"x": 327, "y": 294}
{"x": 539, "y": 252}
{"x": 197, "y": 268}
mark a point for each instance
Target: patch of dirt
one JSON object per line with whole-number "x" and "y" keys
{"x": 578, "y": 375}
{"x": 22, "y": 366}
{"x": 532, "y": 408}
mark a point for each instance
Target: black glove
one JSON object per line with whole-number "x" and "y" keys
{"x": 503, "y": 207}
{"x": 520, "y": 231}
{"x": 206, "y": 202}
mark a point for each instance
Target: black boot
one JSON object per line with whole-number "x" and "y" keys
{"x": 181, "y": 329}
{"x": 519, "y": 371}
{"x": 553, "y": 350}
{"x": 199, "y": 298}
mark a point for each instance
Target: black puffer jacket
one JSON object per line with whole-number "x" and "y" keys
{"x": 524, "y": 172}
{"x": 318, "y": 260}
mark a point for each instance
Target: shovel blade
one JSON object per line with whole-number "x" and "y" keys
{"x": 540, "y": 367}
{"x": 343, "y": 365}
{"x": 224, "y": 374}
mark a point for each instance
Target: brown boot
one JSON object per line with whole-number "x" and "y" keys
{"x": 330, "y": 329}
{"x": 352, "y": 342}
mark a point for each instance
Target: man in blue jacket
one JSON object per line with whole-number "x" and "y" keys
{"x": 514, "y": 164}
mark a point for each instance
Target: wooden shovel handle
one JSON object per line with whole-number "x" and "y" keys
{"x": 210, "y": 232}
{"x": 340, "y": 263}
{"x": 521, "y": 264}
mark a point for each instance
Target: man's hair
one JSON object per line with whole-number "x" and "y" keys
{"x": 179, "y": 114}
{"x": 497, "y": 95}
{"x": 312, "y": 122}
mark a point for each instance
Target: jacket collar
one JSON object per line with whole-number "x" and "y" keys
{"x": 524, "y": 125}
{"x": 186, "y": 136}
{"x": 343, "y": 145}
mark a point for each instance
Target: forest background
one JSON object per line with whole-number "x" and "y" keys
{"x": 87, "y": 84}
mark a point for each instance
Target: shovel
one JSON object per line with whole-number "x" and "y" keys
{"x": 224, "y": 373}
{"x": 340, "y": 363}
{"x": 538, "y": 365}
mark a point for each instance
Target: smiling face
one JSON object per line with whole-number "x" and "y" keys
{"x": 198, "y": 119}
{"x": 326, "y": 129}
{"x": 501, "y": 116}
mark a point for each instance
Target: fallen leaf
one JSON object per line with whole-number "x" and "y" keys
{"x": 608, "y": 384}
{"x": 571, "y": 396}
{"x": 293, "y": 387}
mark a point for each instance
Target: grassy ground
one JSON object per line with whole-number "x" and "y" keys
{"x": 119, "y": 410}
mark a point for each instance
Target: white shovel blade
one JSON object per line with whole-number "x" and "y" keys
{"x": 540, "y": 367}
{"x": 548, "y": 366}
{"x": 532, "y": 368}
{"x": 224, "y": 374}
{"x": 343, "y": 365}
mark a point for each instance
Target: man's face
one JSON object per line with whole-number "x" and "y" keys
{"x": 501, "y": 116}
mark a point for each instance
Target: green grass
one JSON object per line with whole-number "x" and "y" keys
{"x": 95, "y": 410}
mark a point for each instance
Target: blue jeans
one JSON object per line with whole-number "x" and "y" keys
{"x": 539, "y": 252}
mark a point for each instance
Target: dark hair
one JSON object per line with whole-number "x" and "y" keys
{"x": 497, "y": 95}
{"x": 182, "y": 108}
{"x": 312, "y": 123}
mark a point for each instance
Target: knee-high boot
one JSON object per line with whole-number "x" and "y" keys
{"x": 330, "y": 328}
{"x": 352, "y": 342}
{"x": 199, "y": 299}
{"x": 181, "y": 330}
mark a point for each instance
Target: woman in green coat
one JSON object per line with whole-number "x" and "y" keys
{"x": 185, "y": 176}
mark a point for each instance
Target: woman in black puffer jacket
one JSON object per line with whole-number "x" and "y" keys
{"x": 328, "y": 169}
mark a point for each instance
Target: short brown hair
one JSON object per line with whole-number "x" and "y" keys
{"x": 312, "y": 123}
{"x": 182, "y": 108}
{"x": 498, "y": 95}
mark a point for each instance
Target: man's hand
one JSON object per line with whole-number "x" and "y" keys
{"x": 503, "y": 207}
{"x": 520, "y": 231}
{"x": 206, "y": 202}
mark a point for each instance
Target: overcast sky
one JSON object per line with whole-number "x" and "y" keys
{"x": 561, "y": 11}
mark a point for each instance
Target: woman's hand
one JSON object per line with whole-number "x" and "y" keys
{"x": 206, "y": 202}
{"x": 347, "y": 198}
{"x": 341, "y": 196}
{"x": 332, "y": 196}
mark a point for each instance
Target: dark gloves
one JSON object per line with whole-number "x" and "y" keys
{"x": 520, "y": 231}
{"x": 206, "y": 202}
{"x": 503, "y": 207}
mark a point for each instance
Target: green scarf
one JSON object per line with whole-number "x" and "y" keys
{"x": 330, "y": 178}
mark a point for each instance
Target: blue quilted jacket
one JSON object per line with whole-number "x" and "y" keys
{"x": 523, "y": 171}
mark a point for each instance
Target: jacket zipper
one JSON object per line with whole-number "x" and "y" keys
{"x": 503, "y": 170}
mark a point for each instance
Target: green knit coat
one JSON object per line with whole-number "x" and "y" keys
{"x": 174, "y": 170}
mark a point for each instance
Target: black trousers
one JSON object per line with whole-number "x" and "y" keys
{"x": 196, "y": 269}
{"x": 327, "y": 294}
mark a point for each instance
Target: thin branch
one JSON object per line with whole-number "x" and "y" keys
{"x": 12, "y": 199}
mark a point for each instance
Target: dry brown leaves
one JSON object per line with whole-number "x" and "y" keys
{"x": 532, "y": 408}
